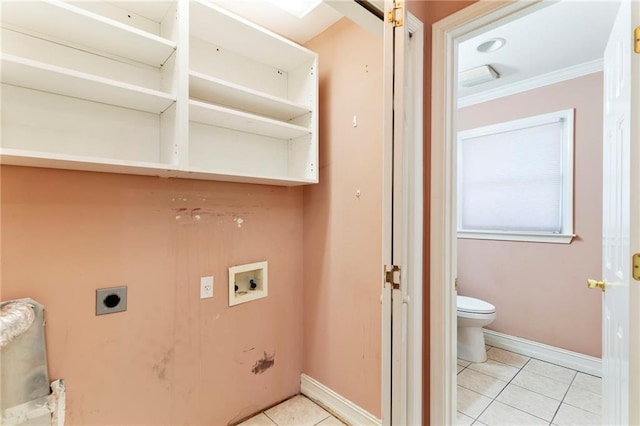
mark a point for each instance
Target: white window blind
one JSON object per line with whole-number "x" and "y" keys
{"x": 516, "y": 177}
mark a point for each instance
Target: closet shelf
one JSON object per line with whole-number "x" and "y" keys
{"x": 233, "y": 176}
{"x": 220, "y": 27}
{"x": 69, "y": 23}
{"x": 214, "y": 115}
{"x": 36, "y": 75}
{"x": 19, "y": 157}
{"x": 215, "y": 90}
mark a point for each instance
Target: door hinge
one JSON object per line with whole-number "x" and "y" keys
{"x": 635, "y": 266}
{"x": 394, "y": 16}
{"x": 392, "y": 276}
{"x": 636, "y": 40}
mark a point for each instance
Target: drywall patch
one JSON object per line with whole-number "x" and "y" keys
{"x": 263, "y": 364}
{"x": 238, "y": 221}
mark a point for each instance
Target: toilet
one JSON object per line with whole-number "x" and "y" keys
{"x": 473, "y": 314}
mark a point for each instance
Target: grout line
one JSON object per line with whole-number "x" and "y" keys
{"x": 510, "y": 383}
{"x": 502, "y": 390}
{"x": 272, "y": 421}
{"x": 562, "y": 401}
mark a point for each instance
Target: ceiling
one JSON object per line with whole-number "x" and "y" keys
{"x": 558, "y": 36}
{"x": 268, "y": 15}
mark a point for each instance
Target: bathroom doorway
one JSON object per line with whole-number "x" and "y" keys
{"x": 443, "y": 198}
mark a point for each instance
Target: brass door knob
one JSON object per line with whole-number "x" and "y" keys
{"x": 596, "y": 284}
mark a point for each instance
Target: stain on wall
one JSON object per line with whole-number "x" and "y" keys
{"x": 263, "y": 364}
{"x": 171, "y": 358}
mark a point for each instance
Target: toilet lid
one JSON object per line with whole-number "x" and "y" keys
{"x": 471, "y": 305}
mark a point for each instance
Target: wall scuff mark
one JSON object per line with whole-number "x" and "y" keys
{"x": 161, "y": 367}
{"x": 263, "y": 364}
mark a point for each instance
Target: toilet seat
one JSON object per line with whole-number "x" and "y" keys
{"x": 474, "y": 306}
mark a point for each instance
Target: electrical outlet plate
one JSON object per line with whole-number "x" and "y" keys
{"x": 111, "y": 300}
{"x": 241, "y": 276}
{"x": 206, "y": 287}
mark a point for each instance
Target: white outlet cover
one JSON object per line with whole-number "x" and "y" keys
{"x": 206, "y": 287}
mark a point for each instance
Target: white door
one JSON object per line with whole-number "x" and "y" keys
{"x": 620, "y": 220}
{"x": 398, "y": 218}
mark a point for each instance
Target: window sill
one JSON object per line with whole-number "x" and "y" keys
{"x": 517, "y": 236}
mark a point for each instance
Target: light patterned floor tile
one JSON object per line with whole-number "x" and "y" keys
{"x": 463, "y": 420}
{"x": 589, "y": 382}
{"x": 259, "y": 420}
{"x": 540, "y": 384}
{"x": 481, "y": 383}
{"x": 463, "y": 363}
{"x": 552, "y": 371}
{"x": 495, "y": 369}
{"x": 506, "y": 357}
{"x": 499, "y": 414}
{"x": 582, "y": 398}
{"x": 572, "y": 416}
{"x": 471, "y": 403}
{"x": 331, "y": 421}
{"x": 530, "y": 402}
{"x": 460, "y": 368}
{"x": 297, "y": 411}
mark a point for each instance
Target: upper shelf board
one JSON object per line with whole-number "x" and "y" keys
{"x": 31, "y": 74}
{"x": 218, "y": 116}
{"x": 69, "y": 23}
{"x": 220, "y": 27}
{"x": 222, "y": 92}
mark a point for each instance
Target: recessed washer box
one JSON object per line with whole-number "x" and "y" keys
{"x": 247, "y": 282}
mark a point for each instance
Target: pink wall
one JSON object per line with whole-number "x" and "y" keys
{"x": 539, "y": 290}
{"x": 171, "y": 358}
{"x": 342, "y": 233}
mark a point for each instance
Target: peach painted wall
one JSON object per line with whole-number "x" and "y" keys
{"x": 539, "y": 290}
{"x": 342, "y": 233}
{"x": 171, "y": 358}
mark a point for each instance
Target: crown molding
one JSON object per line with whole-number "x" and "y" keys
{"x": 533, "y": 83}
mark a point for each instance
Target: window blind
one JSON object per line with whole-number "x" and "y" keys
{"x": 513, "y": 180}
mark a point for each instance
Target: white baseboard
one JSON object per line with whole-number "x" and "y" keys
{"x": 342, "y": 407}
{"x": 574, "y": 360}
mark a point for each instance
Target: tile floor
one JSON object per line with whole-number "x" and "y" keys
{"x": 509, "y": 389}
{"x": 297, "y": 411}
{"x": 512, "y": 389}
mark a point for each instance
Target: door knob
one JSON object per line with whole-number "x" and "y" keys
{"x": 596, "y": 284}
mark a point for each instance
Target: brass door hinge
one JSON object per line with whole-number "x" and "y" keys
{"x": 395, "y": 15}
{"x": 392, "y": 276}
{"x": 636, "y": 40}
{"x": 635, "y": 266}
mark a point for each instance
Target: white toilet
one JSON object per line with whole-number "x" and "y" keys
{"x": 473, "y": 314}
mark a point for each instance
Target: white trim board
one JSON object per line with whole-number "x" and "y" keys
{"x": 574, "y": 360}
{"x": 536, "y": 82}
{"x": 336, "y": 403}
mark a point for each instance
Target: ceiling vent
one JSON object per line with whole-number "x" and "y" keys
{"x": 476, "y": 76}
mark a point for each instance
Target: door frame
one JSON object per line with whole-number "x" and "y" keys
{"x": 447, "y": 33}
{"x": 413, "y": 225}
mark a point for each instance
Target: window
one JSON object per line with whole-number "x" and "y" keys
{"x": 515, "y": 180}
